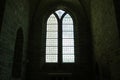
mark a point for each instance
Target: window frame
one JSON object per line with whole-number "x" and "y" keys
{"x": 60, "y": 32}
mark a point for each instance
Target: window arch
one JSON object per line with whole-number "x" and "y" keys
{"x": 60, "y": 38}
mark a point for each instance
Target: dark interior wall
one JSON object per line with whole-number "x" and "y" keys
{"x": 33, "y": 6}
{"x": 86, "y": 5}
{"x": 16, "y": 15}
{"x": 37, "y": 39}
{"x": 2, "y": 7}
{"x": 117, "y": 10}
{"x": 105, "y": 38}
{"x": 18, "y": 56}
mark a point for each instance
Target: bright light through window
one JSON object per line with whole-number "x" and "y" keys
{"x": 60, "y": 13}
{"x": 67, "y": 40}
{"x": 52, "y": 40}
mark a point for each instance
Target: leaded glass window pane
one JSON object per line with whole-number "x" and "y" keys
{"x": 51, "y": 50}
{"x": 51, "y": 58}
{"x": 67, "y": 28}
{"x": 67, "y": 40}
{"x": 52, "y": 20}
{"x": 52, "y": 40}
{"x": 68, "y": 35}
{"x": 67, "y": 20}
{"x": 52, "y": 35}
{"x": 68, "y": 58}
{"x": 68, "y": 50}
{"x": 52, "y": 28}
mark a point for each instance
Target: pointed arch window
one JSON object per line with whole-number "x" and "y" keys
{"x": 60, "y": 38}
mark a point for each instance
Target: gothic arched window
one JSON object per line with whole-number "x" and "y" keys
{"x": 60, "y": 38}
